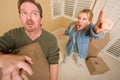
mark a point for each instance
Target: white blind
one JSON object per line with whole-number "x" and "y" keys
{"x": 114, "y": 49}
{"x": 115, "y": 16}
{"x": 69, "y": 7}
{"x": 82, "y": 4}
{"x": 112, "y": 11}
{"x": 56, "y": 8}
{"x": 98, "y": 6}
{"x": 72, "y": 7}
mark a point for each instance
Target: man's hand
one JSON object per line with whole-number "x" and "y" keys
{"x": 102, "y": 23}
{"x": 13, "y": 65}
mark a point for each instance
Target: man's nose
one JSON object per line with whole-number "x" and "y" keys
{"x": 29, "y": 16}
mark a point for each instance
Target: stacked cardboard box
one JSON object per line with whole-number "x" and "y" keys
{"x": 94, "y": 63}
{"x": 96, "y": 45}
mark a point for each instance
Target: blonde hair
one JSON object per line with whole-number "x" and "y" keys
{"x": 88, "y": 12}
{"x": 90, "y": 16}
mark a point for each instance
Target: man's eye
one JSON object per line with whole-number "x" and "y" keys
{"x": 24, "y": 13}
{"x": 33, "y": 14}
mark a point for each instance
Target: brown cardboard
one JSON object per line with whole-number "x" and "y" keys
{"x": 96, "y": 65}
{"x": 40, "y": 66}
{"x": 92, "y": 50}
{"x": 101, "y": 43}
{"x": 96, "y": 45}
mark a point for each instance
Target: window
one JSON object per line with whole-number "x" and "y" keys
{"x": 82, "y": 4}
{"x": 56, "y": 6}
{"x": 72, "y": 7}
{"x": 69, "y": 8}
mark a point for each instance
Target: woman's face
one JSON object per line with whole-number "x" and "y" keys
{"x": 83, "y": 21}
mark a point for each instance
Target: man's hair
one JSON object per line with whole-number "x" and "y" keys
{"x": 32, "y": 1}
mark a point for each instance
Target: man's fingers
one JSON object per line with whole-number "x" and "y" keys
{"x": 28, "y": 59}
{"x": 16, "y": 75}
{"x": 26, "y": 67}
{"x": 25, "y": 64}
{"x": 12, "y": 68}
{"x": 7, "y": 76}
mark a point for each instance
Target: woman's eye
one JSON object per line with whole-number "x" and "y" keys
{"x": 84, "y": 18}
{"x": 79, "y": 18}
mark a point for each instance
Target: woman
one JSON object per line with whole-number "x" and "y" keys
{"x": 81, "y": 31}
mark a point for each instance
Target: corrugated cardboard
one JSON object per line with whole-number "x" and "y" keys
{"x": 40, "y": 66}
{"x": 96, "y": 45}
{"x": 96, "y": 65}
{"x": 101, "y": 43}
{"x": 92, "y": 50}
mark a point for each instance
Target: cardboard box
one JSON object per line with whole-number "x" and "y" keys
{"x": 101, "y": 43}
{"x": 92, "y": 50}
{"x": 40, "y": 66}
{"x": 96, "y": 45}
{"x": 96, "y": 65}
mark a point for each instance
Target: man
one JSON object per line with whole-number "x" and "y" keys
{"x": 31, "y": 18}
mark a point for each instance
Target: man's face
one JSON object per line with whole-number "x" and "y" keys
{"x": 30, "y": 16}
{"x": 83, "y": 21}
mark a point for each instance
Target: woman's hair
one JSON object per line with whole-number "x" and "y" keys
{"x": 90, "y": 16}
{"x": 32, "y": 1}
{"x": 88, "y": 12}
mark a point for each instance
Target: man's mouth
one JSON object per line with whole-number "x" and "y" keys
{"x": 29, "y": 23}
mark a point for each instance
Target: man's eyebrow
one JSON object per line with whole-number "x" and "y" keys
{"x": 22, "y": 9}
{"x": 35, "y": 11}
{"x": 31, "y": 11}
